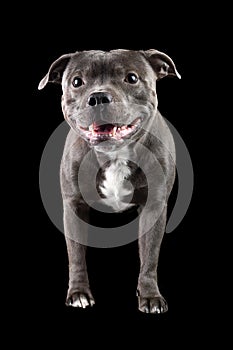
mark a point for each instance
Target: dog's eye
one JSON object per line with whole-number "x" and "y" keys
{"x": 131, "y": 78}
{"x": 77, "y": 82}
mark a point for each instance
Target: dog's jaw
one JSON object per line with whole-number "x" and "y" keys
{"x": 95, "y": 133}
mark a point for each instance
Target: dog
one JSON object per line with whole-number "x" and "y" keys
{"x": 110, "y": 103}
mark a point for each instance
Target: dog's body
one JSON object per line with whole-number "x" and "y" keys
{"x": 109, "y": 100}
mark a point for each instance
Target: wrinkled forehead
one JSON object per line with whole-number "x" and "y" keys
{"x": 94, "y": 63}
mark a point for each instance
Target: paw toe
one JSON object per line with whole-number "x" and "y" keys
{"x": 80, "y": 300}
{"x": 154, "y": 305}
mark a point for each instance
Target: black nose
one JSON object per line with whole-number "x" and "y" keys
{"x": 98, "y": 98}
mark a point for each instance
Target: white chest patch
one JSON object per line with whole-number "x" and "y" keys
{"x": 114, "y": 186}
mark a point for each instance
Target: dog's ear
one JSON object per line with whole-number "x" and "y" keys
{"x": 56, "y": 70}
{"x": 161, "y": 63}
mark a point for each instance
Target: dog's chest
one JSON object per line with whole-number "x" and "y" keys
{"x": 115, "y": 187}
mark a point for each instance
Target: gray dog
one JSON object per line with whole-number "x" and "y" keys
{"x": 110, "y": 102}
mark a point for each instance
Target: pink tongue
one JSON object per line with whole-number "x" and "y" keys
{"x": 103, "y": 129}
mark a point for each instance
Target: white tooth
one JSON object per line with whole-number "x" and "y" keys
{"x": 114, "y": 130}
{"x": 110, "y": 135}
{"x": 118, "y": 129}
{"x": 93, "y": 132}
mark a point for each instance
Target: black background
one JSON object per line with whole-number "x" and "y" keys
{"x": 113, "y": 272}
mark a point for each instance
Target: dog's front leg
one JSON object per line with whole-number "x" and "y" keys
{"x": 149, "y": 298}
{"x": 79, "y": 293}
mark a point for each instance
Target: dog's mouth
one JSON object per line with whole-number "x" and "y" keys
{"x": 104, "y": 132}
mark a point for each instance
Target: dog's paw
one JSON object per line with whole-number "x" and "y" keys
{"x": 81, "y": 300}
{"x": 154, "y": 305}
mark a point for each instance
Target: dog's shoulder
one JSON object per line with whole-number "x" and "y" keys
{"x": 160, "y": 140}
{"x": 75, "y": 146}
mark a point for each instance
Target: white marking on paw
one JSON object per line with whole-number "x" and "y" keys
{"x": 92, "y": 302}
{"x": 84, "y": 301}
{"x": 77, "y": 303}
{"x": 155, "y": 310}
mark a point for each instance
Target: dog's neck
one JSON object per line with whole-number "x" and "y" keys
{"x": 122, "y": 153}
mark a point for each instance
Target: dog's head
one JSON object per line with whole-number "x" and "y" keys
{"x": 109, "y": 96}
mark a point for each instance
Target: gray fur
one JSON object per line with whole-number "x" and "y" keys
{"x": 105, "y": 72}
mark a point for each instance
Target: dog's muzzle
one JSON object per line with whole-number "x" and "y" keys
{"x": 115, "y": 122}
